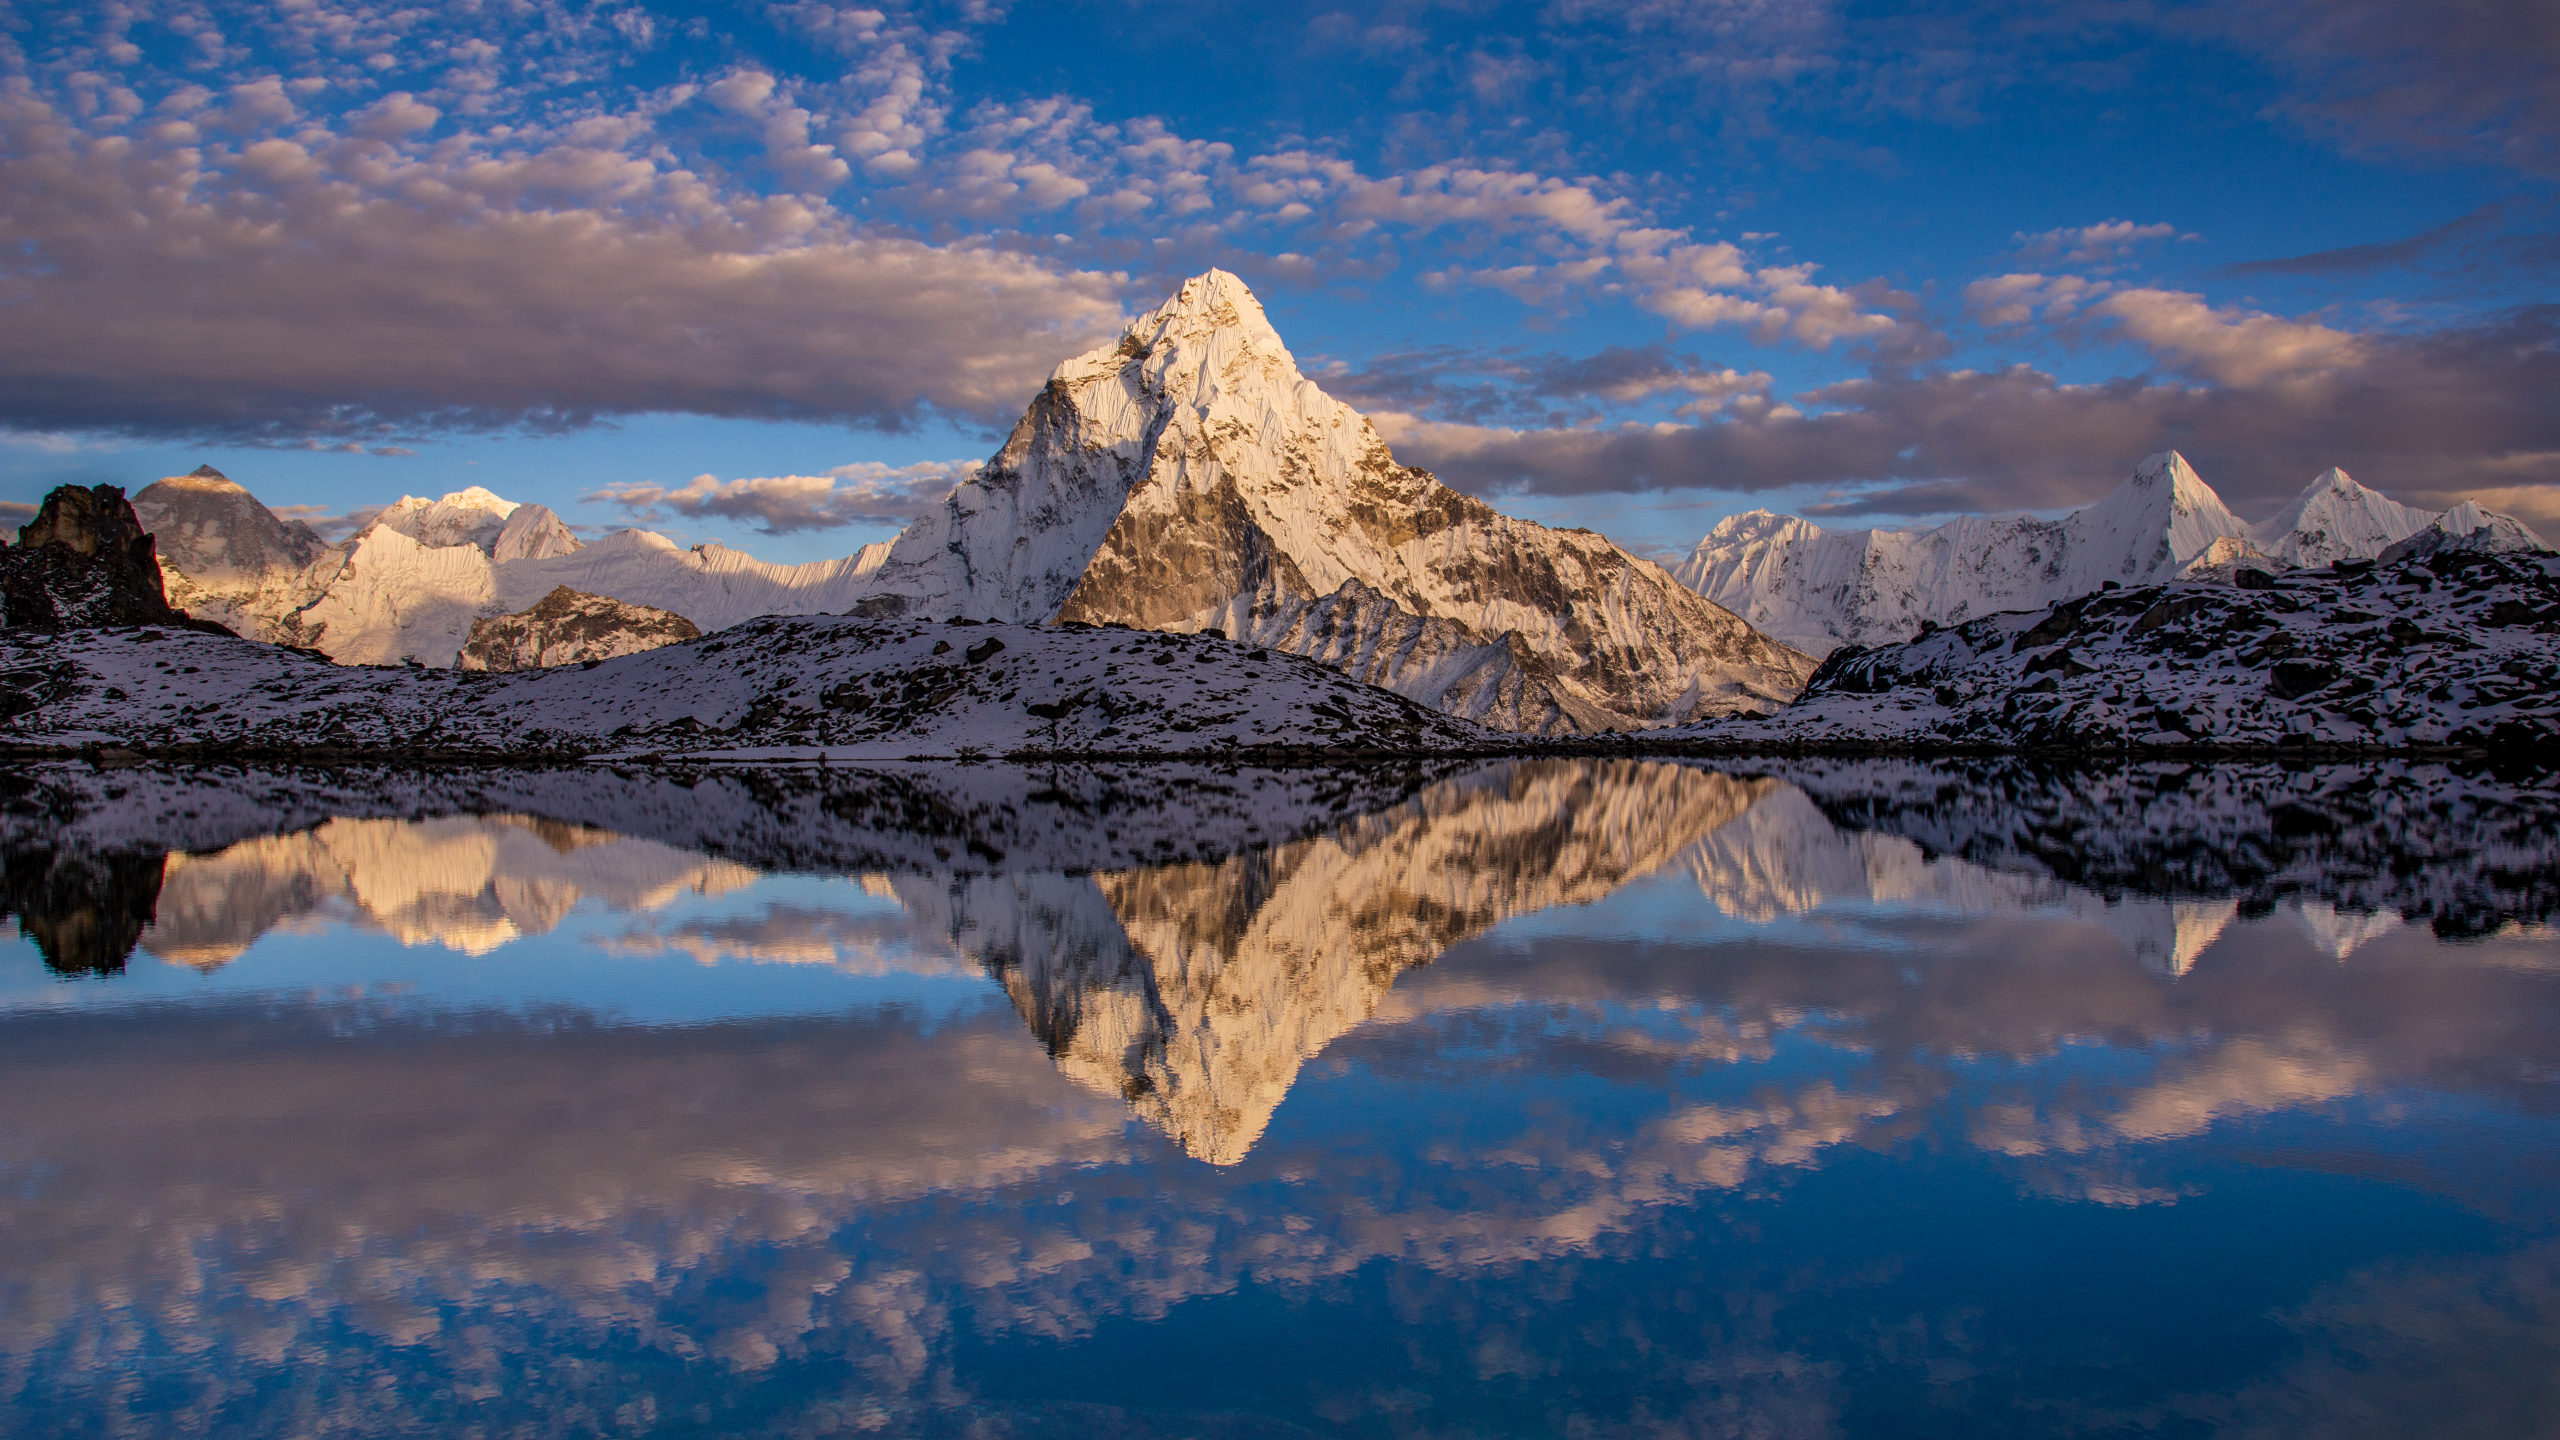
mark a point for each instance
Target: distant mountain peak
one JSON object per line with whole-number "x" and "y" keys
{"x": 207, "y": 472}
{"x": 1818, "y": 590}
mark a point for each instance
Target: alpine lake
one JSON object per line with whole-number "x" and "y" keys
{"x": 1539, "y": 1097}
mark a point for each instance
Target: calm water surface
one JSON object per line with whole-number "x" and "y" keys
{"x": 1557, "y": 1098}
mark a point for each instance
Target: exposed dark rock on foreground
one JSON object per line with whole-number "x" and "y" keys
{"x": 84, "y": 560}
{"x": 2454, "y": 649}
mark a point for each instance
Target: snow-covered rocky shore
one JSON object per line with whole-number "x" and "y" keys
{"x": 2451, "y": 650}
{"x": 778, "y": 688}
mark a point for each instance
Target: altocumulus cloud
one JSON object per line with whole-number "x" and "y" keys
{"x": 868, "y": 493}
{"x": 219, "y": 265}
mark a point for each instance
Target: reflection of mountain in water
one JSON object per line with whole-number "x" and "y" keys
{"x": 1785, "y": 857}
{"x": 468, "y": 883}
{"x": 1196, "y": 991}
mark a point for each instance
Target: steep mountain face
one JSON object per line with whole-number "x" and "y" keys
{"x": 566, "y": 628}
{"x": 1818, "y": 589}
{"x": 83, "y": 561}
{"x": 1189, "y": 478}
{"x": 1197, "y": 991}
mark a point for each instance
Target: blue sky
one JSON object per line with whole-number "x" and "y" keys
{"x": 776, "y": 274}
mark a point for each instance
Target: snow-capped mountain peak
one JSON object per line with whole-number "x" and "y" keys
{"x": 470, "y": 516}
{"x": 2153, "y": 525}
{"x": 2333, "y": 519}
{"x": 1188, "y": 477}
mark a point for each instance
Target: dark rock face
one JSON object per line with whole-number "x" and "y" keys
{"x": 84, "y": 561}
{"x": 2456, "y": 649}
{"x": 2248, "y": 579}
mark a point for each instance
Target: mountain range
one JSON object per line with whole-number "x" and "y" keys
{"x": 1187, "y": 478}
{"x": 1817, "y": 589}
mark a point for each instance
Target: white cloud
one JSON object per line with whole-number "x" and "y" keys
{"x": 2012, "y": 300}
{"x": 2103, "y": 243}
{"x": 2229, "y": 344}
{"x": 868, "y": 493}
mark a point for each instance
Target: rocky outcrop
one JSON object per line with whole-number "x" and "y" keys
{"x": 84, "y": 561}
{"x": 2456, "y": 649}
{"x": 567, "y": 628}
{"x": 1189, "y": 478}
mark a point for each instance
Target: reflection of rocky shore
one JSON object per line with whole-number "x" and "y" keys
{"x": 2464, "y": 850}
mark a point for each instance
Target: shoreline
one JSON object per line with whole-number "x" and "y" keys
{"x": 107, "y": 755}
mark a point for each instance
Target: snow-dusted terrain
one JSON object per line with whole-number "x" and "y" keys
{"x": 2455, "y": 649}
{"x": 771, "y": 688}
{"x": 1190, "y": 478}
{"x": 2355, "y": 849}
{"x": 1818, "y": 589}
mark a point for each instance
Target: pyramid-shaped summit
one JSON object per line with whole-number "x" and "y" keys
{"x": 1189, "y": 478}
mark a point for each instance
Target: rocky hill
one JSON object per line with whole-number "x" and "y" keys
{"x": 2457, "y": 648}
{"x": 776, "y": 688}
{"x": 1818, "y": 589}
{"x": 568, "y": 628}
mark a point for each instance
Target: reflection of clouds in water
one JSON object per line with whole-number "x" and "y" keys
{"x": 2225, "y": 1079}
{"x": 761, "y": 1194}
{"x": 2443, "y": 1346}
{"x": 871, "y": 941}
